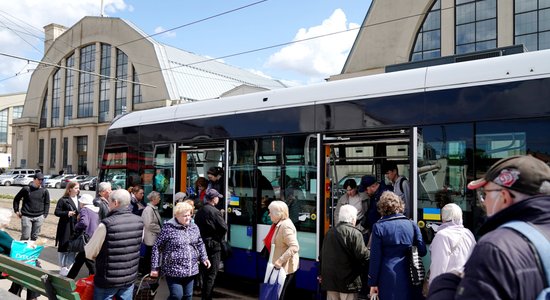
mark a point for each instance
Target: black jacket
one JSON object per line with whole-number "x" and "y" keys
{"x": 212, "y": 227}
{"x": 118, "y": 259}
{"x": 66, "y": 224}
{"x": 342, "y": 260}
{"x": 502, "y": 264}
{"x": 36, "y": 201}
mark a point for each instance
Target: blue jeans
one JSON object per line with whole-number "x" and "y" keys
{"x": 30, "y": 227}
{"x": 124, "y": 293}
{"x": 180, "y": 287}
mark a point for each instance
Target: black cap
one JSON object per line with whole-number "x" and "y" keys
{"x": 38, "y": 176}
{"x": 211, "y": 194}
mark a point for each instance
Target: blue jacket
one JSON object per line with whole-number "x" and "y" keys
{"x": 392, "y": 236}
{"x": 502, "y": 265}
{"x": 181, "y": 248}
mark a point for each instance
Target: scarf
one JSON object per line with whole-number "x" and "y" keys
{"x": 269, "y": 237}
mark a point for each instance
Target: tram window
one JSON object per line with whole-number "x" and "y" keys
{"x": 163, "y": 180}
{"x": 269, "y": 150}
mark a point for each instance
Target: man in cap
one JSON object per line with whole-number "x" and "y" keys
{"x": 35, "y": 207}
{"x": 213, "y": 228}
{"x": 374, "y": 190}
{"x": 503, "y": 265}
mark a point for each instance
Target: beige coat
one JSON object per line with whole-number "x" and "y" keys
{"x": 286, "y": 246}
{"x": 151, "y": 224}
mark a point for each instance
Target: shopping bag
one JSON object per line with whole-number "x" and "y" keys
{"x": 85, "y": 287}
{"x": 77, "y": 243}
{"x": 271, "y": 288}
{"x": 25, "y": 251}
{"x": 146, "y": 288}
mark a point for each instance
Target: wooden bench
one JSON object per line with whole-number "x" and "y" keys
{"x": 42, "y": 281}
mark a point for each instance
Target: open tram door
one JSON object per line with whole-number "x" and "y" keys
{"x": 353, "y": 155}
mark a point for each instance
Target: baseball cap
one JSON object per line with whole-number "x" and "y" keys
{"x": 180, "y": 196}
{"x": 523, "y": 173}
{"x": 366, "y": 181}
{"x": 211, "y": 194}
{"x": 86, "y": 199}
{"x": 39, "y": 176}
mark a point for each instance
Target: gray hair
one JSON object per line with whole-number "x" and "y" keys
{"x": 451, "y": 213}
{"x": 152, "y": 195}
{"x": 5, "y": 217}
{"x": 279, "y": 209}
{"x": 348, "y": 214}
{"x": 122, "y": 196}
{"x": 102, "y": 186}
{"x": 180, "y": 196}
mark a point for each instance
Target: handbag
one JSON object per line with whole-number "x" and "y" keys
{"x": 146, "y": 288}
{"x": 77, "y": 243}
{"x": 272, "y": 277}
{"x": 416, "y": 266}
{"x": 270, "y": 290}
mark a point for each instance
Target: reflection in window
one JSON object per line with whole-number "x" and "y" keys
{"x": 17, "y": 112}
{"x": 475, "y": 25}
{"x": 163, "y": 179}
{"x": 532, "y": 24}
{"x": 428, "y": 39}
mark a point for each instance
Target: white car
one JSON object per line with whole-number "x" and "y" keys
{"x": 23, "y": 180}
{"x": 55, "y": 182}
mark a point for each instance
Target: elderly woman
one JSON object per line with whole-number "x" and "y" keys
{"x": 392, "y": 236}
{"x": 88, "y": 220}
{"x": 284, "y": 238}
{"x": 181, "y": 247}
{"x": 452, "y": 244}
{"x": 151, "y": 228}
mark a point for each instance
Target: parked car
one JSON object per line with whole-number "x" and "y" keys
{"x": 88, "y": 183}
{"x": 8, "y": 177}
{"x": 118, "y": 181}
{"x": 56, "y": 181}
{"x": 23, "y": 179}
{"x": 68, "y": 179}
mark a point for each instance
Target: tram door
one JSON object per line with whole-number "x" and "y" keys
{"x": 351, "y": 156}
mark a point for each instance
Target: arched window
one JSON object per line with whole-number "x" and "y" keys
{"x": 69, "y": 84}
{"x": 121, "y": 86}
{"x": 105, "y": 83}
{"x": 44, "y": 112}
{"x": 475, "y": 25}
{"x": 86, "y": 86}
{"x": 428, "y": 39}
{"x": 56, "y": 98}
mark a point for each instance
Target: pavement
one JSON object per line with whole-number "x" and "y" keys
{"x": 49, "y": 260}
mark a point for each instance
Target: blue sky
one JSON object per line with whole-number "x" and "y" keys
{"x": 241, "y": 26}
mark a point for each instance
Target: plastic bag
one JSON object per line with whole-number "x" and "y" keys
{"x": 85, "y": 288}
{"x": 25, "y": 251}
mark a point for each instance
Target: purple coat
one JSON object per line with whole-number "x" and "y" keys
{"x": 181, "y": 248}
{"x": 89, "y": 220}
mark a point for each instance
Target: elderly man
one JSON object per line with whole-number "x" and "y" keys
{"x": 35, "y": 207}
{"x": 102, "y": 200}
{"x": 503, "y": 264}
{"x": 115, "y": 248}
{"x": 343, "y": 256}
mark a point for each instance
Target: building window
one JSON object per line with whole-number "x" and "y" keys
{"x": 86, "y": 86}
{"x": 53, "y": 146}
{"x": 4, "y": 126}
{"x": 65, "y": 152}
{"x": 82, "y": 152}
{"x": 44, "y": 113}
{"x": 476, "y": 25}
{"x": 17, "y": 112}
{"x": 69, "y": 84}
{"x": 55, "y": 98}
{"x": 121, "y": 73}
{"x": 532, "y": 24}
{"x": 428, "y": 39}
{"x": 41, "y": 152}
{"x": 105, "y": 83}
{"x": 136, "y": 98}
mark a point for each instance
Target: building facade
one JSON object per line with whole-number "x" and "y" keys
{"x": 400, "y": 31}
{"x": 101, "y": 68}
{"x": 11, "y": 108}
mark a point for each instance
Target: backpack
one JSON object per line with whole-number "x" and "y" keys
{"x": 542, "y": 248}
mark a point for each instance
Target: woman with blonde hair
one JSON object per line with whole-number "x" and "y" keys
{"x": 392, "y": 237}
{"x": 180, "y": 248}
{"x": 284, "y": 237}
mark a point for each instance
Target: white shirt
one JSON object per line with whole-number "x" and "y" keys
{"x": 450, "y": 249}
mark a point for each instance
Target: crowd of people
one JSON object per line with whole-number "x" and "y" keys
{"x": 365, "y": 253}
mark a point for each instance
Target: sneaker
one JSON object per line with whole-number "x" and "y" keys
{"x": 64, "y": 271}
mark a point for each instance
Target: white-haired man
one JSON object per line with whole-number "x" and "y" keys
{"x": 104, "y": 189}
{"x": 343, "y": 257}
{"x": 115, "y": 248}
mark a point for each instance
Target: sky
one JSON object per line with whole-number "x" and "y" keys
{"x": 298, "y": 42}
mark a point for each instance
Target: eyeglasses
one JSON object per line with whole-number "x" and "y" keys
{"x": 482, "y": 193}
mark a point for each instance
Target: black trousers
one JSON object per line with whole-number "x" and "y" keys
{"x": 289, "y": 287}
{"x": 77, "y": 265}
{"x": 209, "y": 275}
{"x": 145, "y": 261}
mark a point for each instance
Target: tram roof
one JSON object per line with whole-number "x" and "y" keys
{"x": 531, "y": 65}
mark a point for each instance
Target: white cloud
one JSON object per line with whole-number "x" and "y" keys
{"x": 168, "y": 34}
{"x": 22, "y": 33}
{"x": 320, "y": 57}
